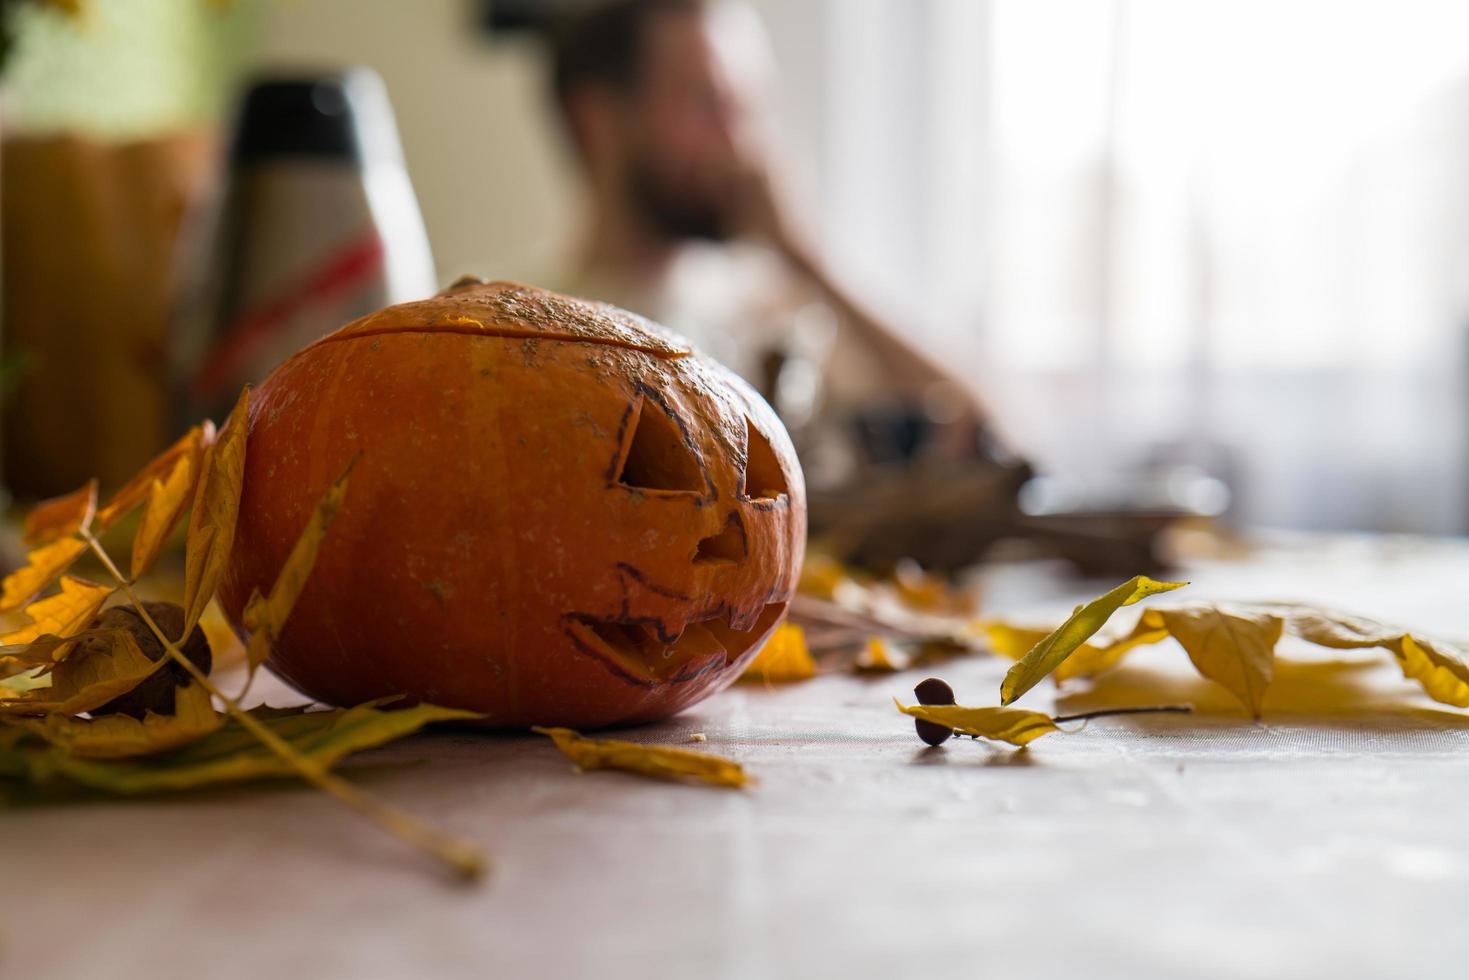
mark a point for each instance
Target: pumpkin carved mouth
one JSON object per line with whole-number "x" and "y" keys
{"x": 642, "y": 650}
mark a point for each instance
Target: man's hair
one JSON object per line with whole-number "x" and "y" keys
{"x": 601, "y": 42}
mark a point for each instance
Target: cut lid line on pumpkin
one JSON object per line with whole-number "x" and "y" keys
{"x": 509, "y": 333}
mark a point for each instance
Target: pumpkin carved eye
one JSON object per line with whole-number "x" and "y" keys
{"x": 763, "y": 480}
{"x": 659, "y": 454}
{"x": 729, "y": 546}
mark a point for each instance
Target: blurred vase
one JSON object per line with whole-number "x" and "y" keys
{"x": 316, "y": 225}
{"x": 89, "y": 229}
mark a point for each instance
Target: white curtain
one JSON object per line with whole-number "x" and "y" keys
{"x": 1203, "y": 231}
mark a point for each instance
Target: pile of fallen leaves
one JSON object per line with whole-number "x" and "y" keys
{"x": 63, "y": 676}
{"x": 104, "y": 692}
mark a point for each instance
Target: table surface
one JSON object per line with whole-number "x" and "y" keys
{"x": 1319, "y": 842}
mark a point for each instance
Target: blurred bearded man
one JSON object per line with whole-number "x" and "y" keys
{"x": 662, "y": 103}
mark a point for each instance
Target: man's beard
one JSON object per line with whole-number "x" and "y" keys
{"x": 672, "y": 213}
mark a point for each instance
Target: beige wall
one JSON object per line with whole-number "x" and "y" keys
{"x": 492, "y": 179}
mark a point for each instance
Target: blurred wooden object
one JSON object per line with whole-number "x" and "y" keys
{"x": 942, "y": 515}
{"x": 89, "y": 237}
{"x": 949, "y": 515}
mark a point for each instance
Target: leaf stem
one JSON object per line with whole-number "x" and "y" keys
{"x": 1160, "y": 709}
{"x": 461, "y": 855}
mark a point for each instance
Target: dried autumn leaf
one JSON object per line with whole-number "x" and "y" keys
{"x": 40, "y": 570}
{"x": 216, "y": 509}
{"x": 12, "y": 684}
{"x": 876, "y": 657}
{"x": 194, "y": 715}
{"x": 1014, "y": 725}
{"x": 64, "y": 614}
{"x": 265, "y": 617}
{"x": 1090, "y": 658}
{"x": 84, "y": 683}
{"x": 1052, "y": 651}
{"x": 1231, "y": 645}
{"x": 122, "y": 736}
{"x": 1234, "y": 645}
{"x": 784, "y": 658}
{"x": 166, "y": 502}
{"x": 660, "y": 761}
{"x": 137, "y": 489}
{"x": 44, "y": 652}
{"x": 231, "y": 754}
{"x": 822, "y": 575}
{"x": 1441, "y": 668}
{"x": 61, "y": 516}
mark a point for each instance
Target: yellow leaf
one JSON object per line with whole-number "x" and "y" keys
{"x": 1014, "y": 725}
{"x": 784, "y": 658}
{"x": 877, "y": 658}
{"x": 40, "y": 570}
{"x": 137, "y": 489}
{"x": 1013, "y": 642}
{"x": 64, "y": 614}
{"x": 660, "y": 761}
{"x": 1441, "y": 668}
{"x": 1232, "y": 646}
{"x": 89, "y": 681}
{"x": 1091, "y": 660}
{"x": 216, "y": 508}
{"x": 232, "y": 754}
{"x": 61, "y": 516}
{"x": 822, "y": 575}
{"x": 167, "y": 499}
{"x": 266, "y": 617}
{"x": 1052, "y": 651}
{"x": 122, "y": 736}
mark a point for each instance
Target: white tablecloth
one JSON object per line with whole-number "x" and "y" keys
{"x": 1307, "y": 845}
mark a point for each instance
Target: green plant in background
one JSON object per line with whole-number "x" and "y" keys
{"x": 7, "y": 21}
{"x": 121, "y": 70}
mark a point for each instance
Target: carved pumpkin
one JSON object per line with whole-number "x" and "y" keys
{"x": 560, "y": 515}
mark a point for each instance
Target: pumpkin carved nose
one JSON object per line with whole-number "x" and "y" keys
{"x": 729, "y": 546}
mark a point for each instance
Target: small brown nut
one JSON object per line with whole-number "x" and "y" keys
{"x": 933, "y": 691}
{"x": 155, "y": 693}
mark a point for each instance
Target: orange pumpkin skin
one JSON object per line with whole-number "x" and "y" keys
{"x": 561, "y": 515}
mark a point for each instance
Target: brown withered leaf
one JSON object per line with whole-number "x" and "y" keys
{"x": 44, "y": 652}
{"x": 137, "y": 489}
{"x": 658, "y": 761}
{"x": 784, "y": 658}
{"x": 87, "y": 681}
{"x": 1017, "y": 726}
{"x": 216, "y": 509}
{"x": 167, "y": 499}
{"x": 265, "y": 616}
{"x": 122, "y": 736}
{"x": 61, "y": 516}
{"x": 42, "y": 567}
{"x": 64, "y": 614}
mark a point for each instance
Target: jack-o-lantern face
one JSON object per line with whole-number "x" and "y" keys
{"x": 561, "y": 515}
